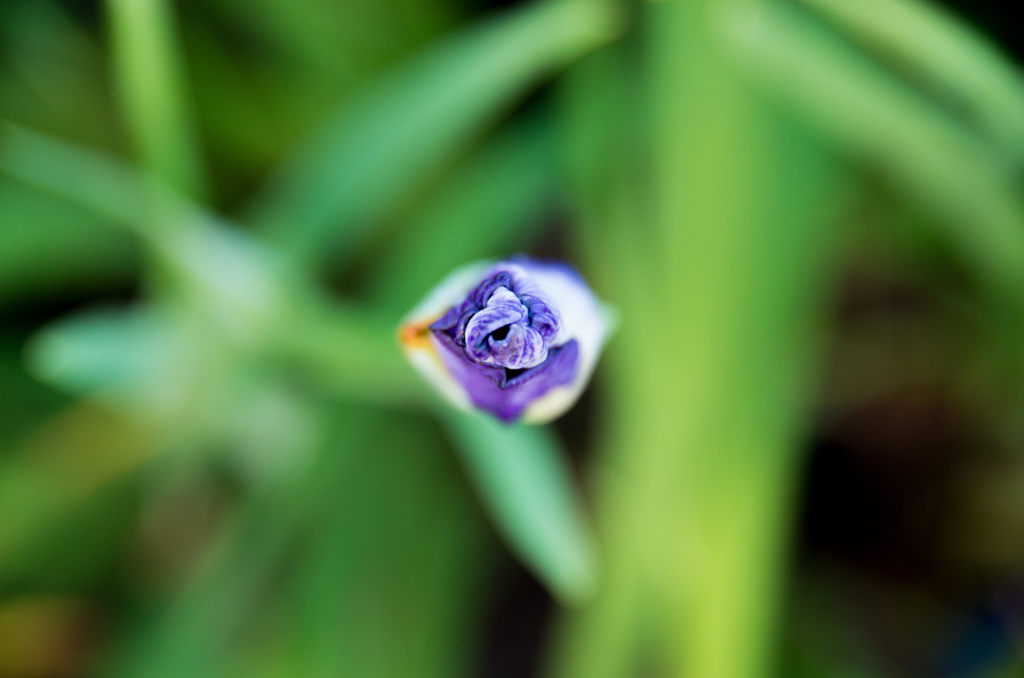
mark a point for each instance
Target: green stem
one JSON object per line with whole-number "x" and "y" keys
{"x": 150, "y": 76}
{"x": 719, "y": 290}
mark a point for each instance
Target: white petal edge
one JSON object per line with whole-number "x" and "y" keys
{"x": 422, "y": 354}
{"x": 427, "y": 362}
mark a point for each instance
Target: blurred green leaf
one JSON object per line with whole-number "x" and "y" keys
{"x": 367, "y": 565}
{"x": 187, "y": 637}
{"x": 24, "y": 402}
{"x": 87, "y": 178}
{"x": 53, "y": 74}
{"x": 384, "y": 143}
{"x": 48, "y": 246}
{"x": 60, "y": 542}
{"x": 240, "y": 286}
{"x": 390, "y": 583}
{"x": 150, "y": 73}
{"x": 300, "y": 60}
{"x": 351, "y": 353}
{"x": 492, "y": 205}
{"x": 927, "y": 156}
{"x": 334, "y": 42}
{"x": 946, "y": 51}
{"x": 526, "y": 485}
{"x": 717, "y": 240}
{"x": 600, "y": 150}
{"x": 225, "y": 273}
{"x": 134, "y": 359}
{"x": 64, "y": 463}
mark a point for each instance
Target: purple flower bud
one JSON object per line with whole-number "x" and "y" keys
{"x": 517, "y": 338}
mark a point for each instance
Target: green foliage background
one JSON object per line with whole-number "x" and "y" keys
{"x": 213, "y": 460}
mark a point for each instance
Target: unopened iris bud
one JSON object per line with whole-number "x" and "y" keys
{"x": 517, "y": 338}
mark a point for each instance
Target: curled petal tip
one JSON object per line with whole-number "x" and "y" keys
{"x": 518, "y": 339}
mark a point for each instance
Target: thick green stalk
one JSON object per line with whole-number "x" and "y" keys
{"x": 150, "y": 77}
{"x": 740, "y": 198}
{"x": 718, "y": 290}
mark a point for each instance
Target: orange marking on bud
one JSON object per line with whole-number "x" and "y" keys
{"x": 415, "y": 335}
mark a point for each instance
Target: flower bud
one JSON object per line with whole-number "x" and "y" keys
{"x": 517, "y": 338}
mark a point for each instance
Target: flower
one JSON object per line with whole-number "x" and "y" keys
{"x": 517, "y": 338}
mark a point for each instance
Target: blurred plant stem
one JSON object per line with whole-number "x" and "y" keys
{"x": 943, "y": 168}
{"x": 523, "y": 477}
{"x": 151, "y": 80}
{"x": 381, "y": 145}
{"x": 961, "y": 62}
{"x": 720, "y": 285}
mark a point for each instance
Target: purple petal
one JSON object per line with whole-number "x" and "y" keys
{"x": 542, "y": 317}
{"x": 503, "y": 308}
{"x": 498, "y": 335}
{"x": 506, "y": 393}
{"x": 517, "y": 338}
{"x": 521, "y": 348}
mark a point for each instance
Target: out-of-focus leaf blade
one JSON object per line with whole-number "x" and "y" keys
{"x": 225, "y": 268}
{"x": 490, "y": 206}
{"x": 54, "y": 75}
{"x": 948, "y": 174}
{"x": 47, "y": 245}
{"x": 135, "y": 360}
{"x": 380, "y": 523}
{"x": 525, "y": 484}
{"x": 401, "y": 483}
{"x": 385, "y": 142}
{"x": 65, "y": 462}
{"x": 25, "y": 404}
{"x": 107, "y": 185}
{"x": 150, "y": 75}
{"x": 946, "y": 51}
{"x": 87, "y": 178}
{"x": 350, "y": 353}
{"x": 188, "y": 638}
